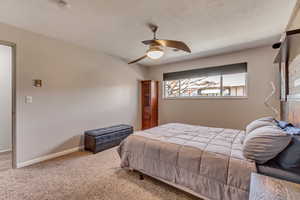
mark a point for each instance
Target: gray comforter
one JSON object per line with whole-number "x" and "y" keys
{"x": 206, "y": 160}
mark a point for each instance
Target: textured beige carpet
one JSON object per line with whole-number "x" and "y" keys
{"x": 82, "y": 176}
{"x": 5, "y": 161}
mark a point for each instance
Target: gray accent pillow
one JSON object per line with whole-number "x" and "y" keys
{"x": 265, "y": 143}
{"x": 289, "y": 158}
{"x": 265, "y": 121}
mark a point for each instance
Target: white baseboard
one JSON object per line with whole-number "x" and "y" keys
{"x": 48, "y": 157}
{"x": 5, "y": 150}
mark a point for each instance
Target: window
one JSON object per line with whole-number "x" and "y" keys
{"x": 234, "y": 84}
{"x": 222, "y": 81}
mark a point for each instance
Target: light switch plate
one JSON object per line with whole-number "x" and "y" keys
{"x": 297, "y": 82}
{"x": 28, "y": 99}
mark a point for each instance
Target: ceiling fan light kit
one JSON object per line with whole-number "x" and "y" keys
{"x": 155, "y": 51}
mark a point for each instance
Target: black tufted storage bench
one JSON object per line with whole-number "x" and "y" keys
{"x": 104, "y": 138}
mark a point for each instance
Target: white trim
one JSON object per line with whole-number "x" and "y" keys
{"x": 48, "y": 157}
{"x": 13, "y": 88}
{"x": 5, "y": 150}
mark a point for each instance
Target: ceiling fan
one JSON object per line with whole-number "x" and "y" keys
{"x": 155, "y": 51}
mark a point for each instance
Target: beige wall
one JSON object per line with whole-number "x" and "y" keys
{"x": 5, "y": 98}
{"x": 294, "y": 22}
{"x": 228, "y": 113}
{"x": 82, "y": 89}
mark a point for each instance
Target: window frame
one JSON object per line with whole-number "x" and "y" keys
{"x": 164, "y": 97}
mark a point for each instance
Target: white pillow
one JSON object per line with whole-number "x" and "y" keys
{"x": 265, "y": 121}
{"x": 265, "y": 143}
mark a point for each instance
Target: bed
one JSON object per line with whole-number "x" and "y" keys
{"x": 205, "y": 161}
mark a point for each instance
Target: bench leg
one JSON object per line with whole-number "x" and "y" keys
{"x": 141, "y": 177}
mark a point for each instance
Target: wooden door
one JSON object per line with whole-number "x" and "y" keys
{"x": 149, "y": 104}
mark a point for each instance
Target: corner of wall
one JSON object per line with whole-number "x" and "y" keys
{"x": 294, "y": 22}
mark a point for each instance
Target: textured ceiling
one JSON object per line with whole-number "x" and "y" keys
{"x": 116, "y": 27}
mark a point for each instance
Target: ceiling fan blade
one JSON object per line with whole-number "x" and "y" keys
{"x": 148, "y": 42}
{"x": 137, "y": 60}
{"x": 174, "y": 44}
{"x": 169, "y": 43}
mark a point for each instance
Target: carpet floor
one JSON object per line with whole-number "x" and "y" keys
{"x": 80, "y": 176}
{"x": 5, "y": 161}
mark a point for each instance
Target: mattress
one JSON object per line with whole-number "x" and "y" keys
{"x": 206, "y": 160}
{"x": 274, "y": 170}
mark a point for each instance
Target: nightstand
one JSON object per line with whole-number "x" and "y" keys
{"x": 268, "y": 188}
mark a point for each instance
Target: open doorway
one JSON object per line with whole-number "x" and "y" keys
{"x": 7, "y": 105}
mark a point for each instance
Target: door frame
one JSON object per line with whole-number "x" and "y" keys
{"x": 14, "y": 104}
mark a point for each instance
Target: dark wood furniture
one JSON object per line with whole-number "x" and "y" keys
{"x": 266, "y": 188}
{"x": 104, "y": 138}
{"x": 149, "y": 104}
{"x": 288, "y": 59}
